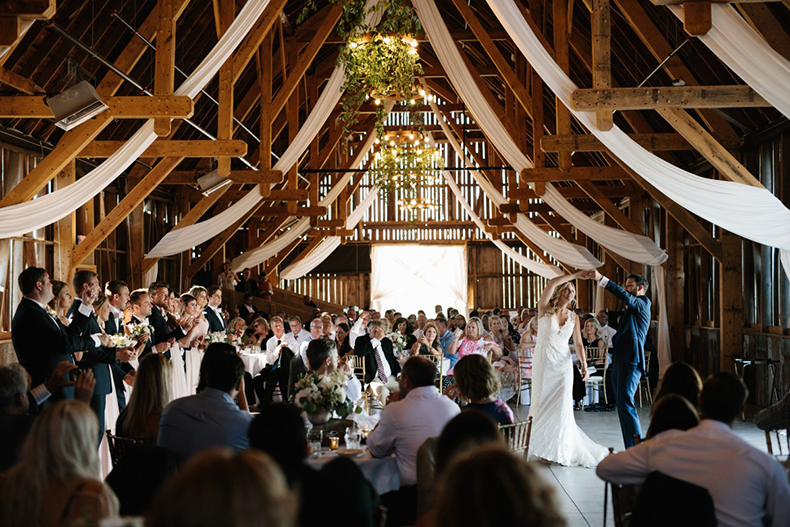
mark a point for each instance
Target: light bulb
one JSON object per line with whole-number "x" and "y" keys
{"x": 422, "y": 93}
{"x": 386, "y": 40}
{"x": 353, "y": 45}
{"x": 376, "y": 140}
{"x": 414, "y": 43}
{"x": 377, "y": 102}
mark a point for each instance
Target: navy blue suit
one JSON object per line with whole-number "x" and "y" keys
{"x": 42, "y": 342}
{"x": 215, "y": 323}
{"x": 628, "y": 358}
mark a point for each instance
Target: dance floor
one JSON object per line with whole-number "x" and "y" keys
{"x": 579, "y": 491}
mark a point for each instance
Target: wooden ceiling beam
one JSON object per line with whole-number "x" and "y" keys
{"x": 590, "y": 143}
{"x": 189, "y": 177}
{"x": 679, "y": 2}
{"x": 602, "y": 57}
{"x": 610, "y": 191}
{"x": 126, "y": 107}
{"x": 608, "y": 207}
{"x": 167, "y": 148}
{"x": 19, "y": 82}
{"x": 165, "y": 58}
{"x": 762, "y": 19}
{"x": 548, "y": 175}
{"x": 667, "y": 97}
{"x": 254, "y": 39}
{"x": 33, "y": 9}
{"x": 283, "y": 211}
{"x": 227, "y": 13}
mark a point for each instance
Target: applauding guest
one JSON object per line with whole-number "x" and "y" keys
{"x": 55, "y": 482}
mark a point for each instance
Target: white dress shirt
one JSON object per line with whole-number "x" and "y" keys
{"x": 273, "y": 346}
{"x": 406, "y": 424}
{"x": 295, "y": 341}
{"x": 353, "y": 389}
{"x": 747, "y": 485}
{"x": 384, "y": 362}
{"x": 356, "y": 330}
{"x": 117, "y": 314}
{"x": 85, "y": 310}
{"x": 608, "y": 332}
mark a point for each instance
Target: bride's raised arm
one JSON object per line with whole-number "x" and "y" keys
{"x": 551, "y": 286}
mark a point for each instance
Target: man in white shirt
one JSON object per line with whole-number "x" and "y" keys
{"x": 381, "y": 366}
{"x": 360, "y": 327}
{"x": 278, "y": 360}
{"x": 298, "y": 340}
{"x": 608, "y": 332}
{"x": 227, "y": 279}
{"x": 748, "y": 486}
{"x": 297, "y": 334}
{"x": 421, "y": 412}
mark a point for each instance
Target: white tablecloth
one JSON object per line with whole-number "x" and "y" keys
{"x": 253, "y": 362}
{"x": 382, "y": 473}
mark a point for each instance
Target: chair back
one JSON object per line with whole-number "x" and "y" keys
{"x": 119, "y": 446}
{"x": 517, "y": 436}
{"x": 357, "y": 365}
{"x": 597, "y": 357}
{"x": 437, "y": 361}
{"x": 779, "y": 434}
{"x": 692, "y": 505}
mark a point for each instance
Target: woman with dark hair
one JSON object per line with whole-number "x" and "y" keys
{"x": 403, "y": 328}
{"x": 671, "y": 412}
{"x": 681, "y": 379}
{"x": 342, "y": 341}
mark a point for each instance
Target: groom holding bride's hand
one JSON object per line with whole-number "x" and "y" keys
{"x": 628, "y": 353}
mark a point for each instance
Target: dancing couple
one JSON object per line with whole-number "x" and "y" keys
{"x": 555, "y": 435}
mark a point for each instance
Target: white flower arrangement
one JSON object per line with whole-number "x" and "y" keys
{"x": 398, "y": 341}
{"x": 218, "y": 336}
{"x": 120, "y": 341}
{"x": 314, "y": 392}
{"x": 135, "y": 331}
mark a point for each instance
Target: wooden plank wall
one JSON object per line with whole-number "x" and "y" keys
{"x": 346, "y": 289}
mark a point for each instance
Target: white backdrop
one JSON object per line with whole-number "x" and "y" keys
{"x": 412, "y": 277}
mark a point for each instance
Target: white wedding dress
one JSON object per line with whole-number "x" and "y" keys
{"x": 555, "y": 435}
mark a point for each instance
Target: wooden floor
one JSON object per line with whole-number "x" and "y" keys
{"x": 579, "y": 492}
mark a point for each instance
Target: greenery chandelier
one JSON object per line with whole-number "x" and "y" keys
{"x": 404, "y": 165}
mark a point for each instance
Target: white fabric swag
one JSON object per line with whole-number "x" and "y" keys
{"x": 260, "y": 254}
{"x": 542, "y": 269}
{"x": 566, "y": 252}
{"x": 184, "y": 239}
{"x": 737, "y": 44}
{"x": 750, "y": 212}
{"x": 635, "y": 247}
{"x": 16, "y": 220}
{"x": 328, "y": 245}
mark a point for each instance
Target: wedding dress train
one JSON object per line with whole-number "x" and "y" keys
{"x": 555, "y": 435}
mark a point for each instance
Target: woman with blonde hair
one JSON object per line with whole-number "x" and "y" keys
{"x": 478, "y": 382}
{"x": 468, "y": 342}
{"x": 236, "y": 329}
{"x": 555, "y": 435}
{"x": 54, "y": 483}
{"x": 220, "y": 487}
{"x": 140, "y": 418}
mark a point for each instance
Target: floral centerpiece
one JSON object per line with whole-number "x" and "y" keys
{"x": 320, "y": 395}
{"x": 398, "y": 342}
{"x": 218, "y": 336}
{"x": 135, "y": 331}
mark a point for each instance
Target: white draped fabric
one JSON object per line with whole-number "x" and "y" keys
{"x": 568, "y": 253}
{"x": 412, "y": 277}
{"x": 16, "y": 220}
{"x": 544, "y": 270}
{"x": 328, "y": 245}
{"x": 634, "y": 246}
{"x": 263, "y": 253}
{"x": 184, "y": 239}
{"x": 751, "y": 212}
{"x": 737, "y": 44}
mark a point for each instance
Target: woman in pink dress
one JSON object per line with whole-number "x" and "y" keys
{"x": 468, "y": 343}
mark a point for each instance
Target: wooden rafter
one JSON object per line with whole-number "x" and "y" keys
{"x": 126, "y": 107}
{"x": 668, "y": 97}
{"x": 165, "y": 148}
{"x": 164, "y": 73}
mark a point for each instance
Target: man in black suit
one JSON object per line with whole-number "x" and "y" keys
{"x": 628, "y": 348}
{"x": 248, "y": 286}
{"x": 141, "y": 312}
{"x": 117, "y": 293}
{"x": 40, "y": 341}
{"x": 159, "y": 294}
{"x": 381, "y": 366}
{"x": 100, "y": 359}
{"x": 213, "y": 313}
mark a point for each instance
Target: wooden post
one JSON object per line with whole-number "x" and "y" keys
{"x": 225, "y": 109}
{"x": 731, "y": 300}
{"x": 267, "y": 115}
{"x": 676, "y": 280}
{"x": 165, "y": 59}
{"x": 601, "y": 53}
{"x": 561, "y": 56}
{"x": 65, "y": 235}
{"x": 697, "y": 18}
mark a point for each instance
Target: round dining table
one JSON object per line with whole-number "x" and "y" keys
{"x": 381, "y": 472}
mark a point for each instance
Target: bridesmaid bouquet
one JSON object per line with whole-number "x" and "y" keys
{"x": 137, "y": 330}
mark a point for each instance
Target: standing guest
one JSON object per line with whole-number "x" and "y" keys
{"x": 98, "y": 359}
{"x": 249, "y": 485}
{"x": 628, "y": 355}
{"x": 141, "y": 311}
{"x": 209, "y": 419}
{"x": 159, "y": 294}
{"x": 55, "y": 482}
{"x": 61, "y": 301}
{"x": 265, "y": 289}
{"x": 140, "y": 419}
{"x": 213, "y": 313}
{"x": 748, "y": 486}
{"x": 227, "y": 279}
{"x": 247, "y": 285}
{"x": 123, "y": 373}
{"x": 478, "y": 383}
{"x": 381, "y": 366}
{"x": 421, "y": 412}
{"x": 197, "y": 332}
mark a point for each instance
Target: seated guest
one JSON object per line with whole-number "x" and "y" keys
{"x": 279, "y": 431}
{"x": 322, "y": 359}
{"x": 421, "y": 412}
{"x": 209, "y": 419}
{"x": 381, "y": 366}
{"x": 140, "y": 418}
{"x": 220, "y": 487}
{"x": 404, "y": 327}
{"x": 681, "y": 379}
{"x": 342, "y": 342}
{"x": 671, "y": 412}
{"x": 446, "y": 339}
{"x": 236, "y": 330}
{"x": 247, "y": 285}
{"x": 278, "y": 360}
{"x": 298, "y": 340}
{"x": 329, "y": 326}
{"x": 748, "y": 486}
{"x": 428, "y": 343}
{"x": 54, "y": 483}
{"x": 490, "y": 487}
{"x": 18, "y": 404}
{"x": 478, "y": 383}
{"x": 260, "y": 332}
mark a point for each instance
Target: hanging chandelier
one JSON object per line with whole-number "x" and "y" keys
{"x": 405, "y": 165}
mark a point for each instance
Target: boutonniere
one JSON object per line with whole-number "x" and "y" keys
{"x": 52, "y": 313}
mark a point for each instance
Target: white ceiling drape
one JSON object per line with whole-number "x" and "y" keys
{"x": 16, "y": 220}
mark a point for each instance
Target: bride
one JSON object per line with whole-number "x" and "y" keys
{"x": 555, "y": 435}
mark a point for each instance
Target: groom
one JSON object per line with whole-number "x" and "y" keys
{"x": 628, "y": 354}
